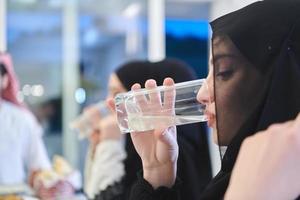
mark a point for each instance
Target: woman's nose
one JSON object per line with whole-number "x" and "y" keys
{"x": 204, "y": 95}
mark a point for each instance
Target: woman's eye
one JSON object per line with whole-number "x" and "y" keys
{"x": 225, "y": 75}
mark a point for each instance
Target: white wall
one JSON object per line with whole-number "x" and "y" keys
{"x": 3, "y": 45}
{"x": 222, "y": 7}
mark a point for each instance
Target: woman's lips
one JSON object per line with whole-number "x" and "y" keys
{"x": 210, "y": 119}
{"x": 210, "y": 122}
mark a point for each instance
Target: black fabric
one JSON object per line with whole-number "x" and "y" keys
{"x": 259, "y": 29}
{"x": 134, "y": 72}
{"x": 143, "y": 190}
{"x": 140, "y": 71}
{"x": 113, "y": 192}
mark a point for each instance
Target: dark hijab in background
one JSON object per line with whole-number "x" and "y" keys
{"x": 261, "y": 47}
{"x": 194, "y": 167}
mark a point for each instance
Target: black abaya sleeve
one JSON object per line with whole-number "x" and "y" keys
{"x": 142, "y": 190}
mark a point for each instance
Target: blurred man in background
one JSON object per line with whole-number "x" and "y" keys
{"x": 21, "y": 147}
{"x": 22, "y": 150}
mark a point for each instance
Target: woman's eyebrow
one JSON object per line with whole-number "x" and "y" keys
{"x": 219, "y": 56}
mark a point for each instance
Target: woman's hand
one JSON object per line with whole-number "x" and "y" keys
{"x": 268, "y": 164}
{"x": 93, "y": 117}
{"x": 103, "y": 127}
{"x": 157, "y": 148}
{"x": 61, "y": 190}
{"x": 109, "y": 129}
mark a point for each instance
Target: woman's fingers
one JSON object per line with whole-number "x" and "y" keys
{"x": 168, "y": 137}
{"x": 140, "y": 99}
{"x": 154, "y": 96}
{"x": 169, "y": 95}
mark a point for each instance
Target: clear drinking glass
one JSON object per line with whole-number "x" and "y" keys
{"x": 83, "y": 124}
{"x": 162, "y": 107}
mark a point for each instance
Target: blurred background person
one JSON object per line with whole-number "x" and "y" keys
{"x": 104, "y": 166}
{"x": 21, "y": 146}
{"x": 22, "y": 149}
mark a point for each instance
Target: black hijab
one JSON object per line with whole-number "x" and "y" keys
{"x": 266, "y": 37}
{"x": 193, "y": 163}
{"x": 141, "y": 71}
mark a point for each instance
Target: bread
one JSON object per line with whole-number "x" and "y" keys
{"x": 10, "y": 197}
{"x": 61, "y": 166}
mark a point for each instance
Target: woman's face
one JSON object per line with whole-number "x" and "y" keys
{"x": 233, "y": 88}
{"x": 115, "y": 86}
